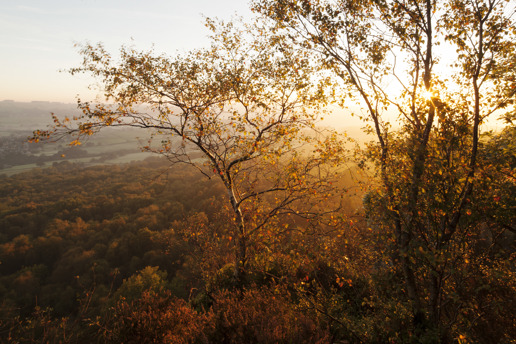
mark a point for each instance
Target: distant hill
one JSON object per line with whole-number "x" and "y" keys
{"x": 19, "y": 119}
{"x": 22, "y": 117}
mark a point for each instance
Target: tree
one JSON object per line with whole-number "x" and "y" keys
{"x": 242, "y": 111}
{"x": 386, "y": 55}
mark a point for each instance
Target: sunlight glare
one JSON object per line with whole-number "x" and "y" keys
{"x": 427, "y": 94}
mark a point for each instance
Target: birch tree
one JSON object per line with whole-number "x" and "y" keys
{"x": 242, "y": 111}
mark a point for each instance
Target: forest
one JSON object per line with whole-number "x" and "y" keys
{"x": 255, "y": 223}
{"x": 90, "y": 253}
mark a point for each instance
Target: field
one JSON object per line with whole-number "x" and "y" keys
{"x": 18, "y": 120}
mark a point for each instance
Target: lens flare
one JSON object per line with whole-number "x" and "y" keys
{"x": 427, "y": 94}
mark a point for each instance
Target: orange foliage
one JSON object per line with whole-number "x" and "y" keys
{"x": 262, "y": 316}
{"x": 156, "y": 318}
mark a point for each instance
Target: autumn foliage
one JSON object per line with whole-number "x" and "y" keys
{"x": 267, "y": 228}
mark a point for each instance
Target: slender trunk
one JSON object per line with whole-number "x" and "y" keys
{"x": 419, "y": 165}
{"x": 240, "y": 256}
{"x": 240, "y": 241}
{"x": 434, "y": 292}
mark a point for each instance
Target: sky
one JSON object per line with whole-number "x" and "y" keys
{"x": 37, "y": 38}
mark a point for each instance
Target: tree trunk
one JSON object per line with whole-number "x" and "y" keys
{"x": 240, "y": 242}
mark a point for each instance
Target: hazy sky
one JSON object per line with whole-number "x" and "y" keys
{"x": 37, "y": 38}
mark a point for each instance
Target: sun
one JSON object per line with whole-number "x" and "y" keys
{"x": 427, "y": 94}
